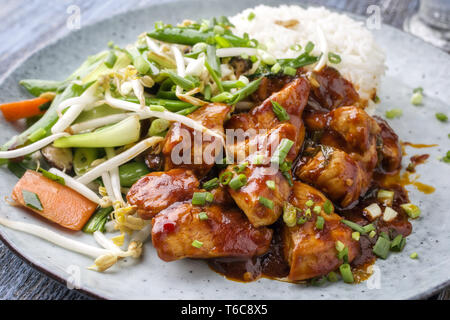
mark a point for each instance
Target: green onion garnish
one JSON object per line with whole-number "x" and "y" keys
{"x": 241, "y": 167}
{"x": 334, "y": 58}
{"x": 282, "y": 151}
{"x": 251, "y": 16}
{"x": 309, "y": 203}
{"x": 320, "y": 222}
{"x": 266, "y": 202}
{"x": 289, "y": 214}
{"x": 275, "y": 68}
{"x": 339, "y": 246}
{"x": 343, "y": 254}
{"x": 317, "y": 209}
{"x": 372, "y": 234}
{"x": 222, "y": 97}
{"x": 385, "y": 235}
{"x": 301, "y": 220}
{"x": 417, "y": 98}
{"x": 382, "y": 247}
{"x": 356, "y": 235}
{"x": 393, "y": 113}
{"x": 309, "y": 47}
{"x": 32, "y": 200}
{"x": 211, "y": 184}
{"x": 368, "y": 228}
{"x": 111, "y": 59}
{"x": 185, "y": 83}
{"x": 270, "y": 184}
{"x": 197, "y": 244}
{"x": 398, "y": 243}
{"x": 225, "y": 177}
{"x": 158, "y": 126}
{"x": 411, "y": 210}
{"x": 203, "y": 216}
{"x": 279, "y": 111}
{"x": 414, "y": 255}
{"x": 238, "y": 182}
{"x": 346, "y": 273}
{"x": 98, "y": 220}
{"x": 354, "y": 226}
{"x": 157, "y": 108}
{"x": 201, "y": 198}
{"x": 328, "y": 207}
{"x": 52, "y": 176}
{"x": 289, "y": 71}
{"x": 441, "y": 117}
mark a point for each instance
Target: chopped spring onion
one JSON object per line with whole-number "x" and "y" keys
{"x": 386, "y": 196}
{"x": 354, "y": 226}
{"x": 289, "y": 71}
{"x": 309, "y": 47}
{"x": 398, "y": 243}
{"x": 225, "y": 177}
{"x": 203, "y": 216}
{"x": 197, "y": 244}
{"x": 222, "y": 97}
{"x": 211, "y": 184}
{"x": 334, "y": 58}
{"x": 183, "y": 82}
{"x": 289, "y": 214}
{"x": 282, "y": 151}
{"x": 411, "y": 210}
{"x": 279, "y": 111}
{"x": 385, "y": 235}
{"x": 389, "y": 214}
{"x": 372, "y": 234}
{"x": 441, "y": 117}
{"x": 346, "y": 273}
{"x": 328, "y": 207}
{"x": 317, "y": 209}
{"x": 309, "y": 203}
{"x": 356, "y": 235}
{"x": 394, "y": 113}
{"x": 373, "y": 211}
{"x": 270, "y": 184}
{"x": 238, "y": 182}
{"x": 343, "y": 254}
{"x": 241, "y": 167}
{"x": 32, "y": 200}
{"x": 332, "y": 277}
{"x": 320, "y": 222}
{"x": 251, "y": 16}
{"x": 118, "y": 160}
{"x": 417, "y": 98}
{"x": 275, "y": 68}
{"x": 382, "y": 247}
{"x": 111, "y": 59}
{"x": 266, "y": 202}
{"x": 339, "y": 246}
{"x": 52, "y": 176}
{"x": 414, "y": 255}
{"x": 31, "y": 148}
{"x": 201, "y": 198}
{"x": 368, "y": 228}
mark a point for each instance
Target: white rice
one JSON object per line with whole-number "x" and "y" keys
{"x": 363, "y": 61}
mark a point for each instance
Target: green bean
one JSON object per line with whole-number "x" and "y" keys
{"x": 98, "y": 220}
{"x": 83, "y": 158}
{"x": 141, "y": 65}
{"x": 131, "y": 172}
{"x": 171, "y": 105}
{"x": 188, "y": 111}
{"x": 214, "y": 76}
{"x": 185, "y": 83}
{"x": 191, "y": 36}
{"x": 213, "y": 60}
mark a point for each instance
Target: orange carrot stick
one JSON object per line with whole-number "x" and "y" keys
{"x": 60, "y": 204}
{"x": 22, "y": 109}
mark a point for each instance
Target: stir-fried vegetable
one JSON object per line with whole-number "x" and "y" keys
{"x": 23, "y": 109}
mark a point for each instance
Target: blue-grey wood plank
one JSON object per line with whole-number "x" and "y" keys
{"x": 27, "y": 26}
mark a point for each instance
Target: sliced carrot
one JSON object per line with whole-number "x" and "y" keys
{"x": 60, "y": 204}
{"x": 22, "y": 109}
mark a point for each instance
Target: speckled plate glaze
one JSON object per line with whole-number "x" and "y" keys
{"x": 411, "y": 63}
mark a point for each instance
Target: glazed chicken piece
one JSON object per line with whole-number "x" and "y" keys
{"x": 292, "y": 97}
{"x": 390, "y": 155}
{"x": 330, "y": 90}
{"x": 158, "y": 190}
{"x": 309, "y": 251}
{"x": 336, "y": 174}
{"x": 344, "y": 171}
{"x": 248, "y": 197}
{"x": 180, "y": 137}
{"x": 179, "y": 233}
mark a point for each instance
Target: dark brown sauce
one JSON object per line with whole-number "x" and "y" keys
{"x": 272, "y": 265}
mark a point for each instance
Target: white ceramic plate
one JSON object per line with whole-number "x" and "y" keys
{"x": 411, "y": 63}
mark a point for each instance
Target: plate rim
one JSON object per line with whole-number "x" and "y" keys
{"x": 35, "y": 264}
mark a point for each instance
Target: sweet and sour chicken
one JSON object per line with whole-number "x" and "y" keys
{"x": 306, "y": 140}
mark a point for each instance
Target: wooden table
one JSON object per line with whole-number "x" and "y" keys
{"x": 27, "y": 25}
